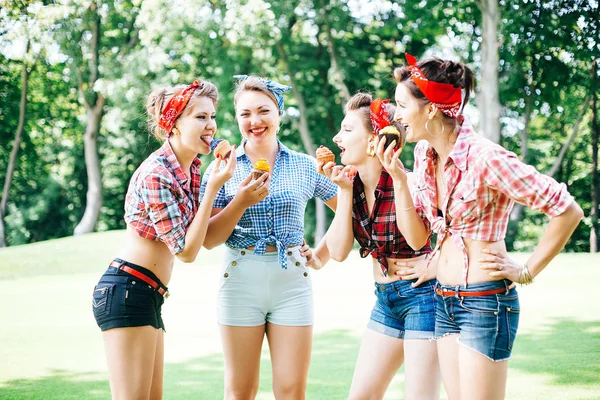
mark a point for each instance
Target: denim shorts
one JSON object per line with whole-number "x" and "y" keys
{"x": 486, "y": 324}
{"x": 254, "y": 289}
{"x": 404, "y": 312}
{"x": 121, "y": 300}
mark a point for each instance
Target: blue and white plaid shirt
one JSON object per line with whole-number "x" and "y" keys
{"x": 279, "y": 218}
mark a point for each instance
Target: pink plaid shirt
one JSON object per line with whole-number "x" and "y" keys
{"x": 483, "y": 182}
{"x": 161, "y": 201}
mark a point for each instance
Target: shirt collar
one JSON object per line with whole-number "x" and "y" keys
{"x": 460, "y": 151}
{"x": 173, "y": 163}
{"x": 240, "y": 151}
{"x": 383, "y": 181}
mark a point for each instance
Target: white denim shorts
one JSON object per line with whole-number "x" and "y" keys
{"x": 255, "y": 289}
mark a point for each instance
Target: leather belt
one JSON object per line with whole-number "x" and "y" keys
{"x": 163, "y": 291}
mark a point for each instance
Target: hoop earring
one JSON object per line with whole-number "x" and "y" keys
{"x": 432, "y": 135}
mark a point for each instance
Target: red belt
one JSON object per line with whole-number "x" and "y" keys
{"x": 445, "y": 292}
{"x": 160, "y": 289}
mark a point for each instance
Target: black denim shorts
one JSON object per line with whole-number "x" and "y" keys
{"x": 121, "y": 300}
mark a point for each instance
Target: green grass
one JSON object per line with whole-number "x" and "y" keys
{"x": 51, "y": 349}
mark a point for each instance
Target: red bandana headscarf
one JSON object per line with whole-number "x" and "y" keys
{"x": 444, "y": 96}
{"x": 379, "y": 115}
{"x": 175, "y": 107}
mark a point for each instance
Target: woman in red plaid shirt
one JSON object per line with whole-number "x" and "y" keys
{"x": 403, "y": 318}
{"x": 467, "y": 186}
{"x": 165, "y": 219}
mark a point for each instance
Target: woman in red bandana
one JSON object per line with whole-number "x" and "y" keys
{"x": 467, "y": 186}
{"x": 402, "y": 322}
{"x": 165, "y": 219}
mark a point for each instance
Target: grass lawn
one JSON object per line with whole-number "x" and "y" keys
{"x": 51, "y": 348}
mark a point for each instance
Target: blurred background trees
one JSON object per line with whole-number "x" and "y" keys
{"x": 74, "y": 75}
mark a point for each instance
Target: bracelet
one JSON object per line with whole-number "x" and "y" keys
{"x": 525, "y": 277}
{"x": 406, "y": 209}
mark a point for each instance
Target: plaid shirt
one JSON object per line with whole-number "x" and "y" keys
{"x": 279, "y": 218}
{"x": 379, "y": 235}
{"x": 161, "y": 201}
{"x": 483, "y": 182}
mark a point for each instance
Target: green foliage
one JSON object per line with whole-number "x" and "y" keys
{"x": 545, "y": 48}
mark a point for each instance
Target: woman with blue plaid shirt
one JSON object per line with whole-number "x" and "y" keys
{"x": 265, "y": 285}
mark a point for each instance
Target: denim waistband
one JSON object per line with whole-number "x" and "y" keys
{"x": 477, "y": 287}
{"x": 400, "y": 285}
{"x": 138, "y": 268}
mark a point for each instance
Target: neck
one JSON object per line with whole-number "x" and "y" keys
{"x": 443, "y": 144}
{"x": 268, "y": 150}
{"x": 183, "y": 155}
{"x": 370, "y": 171}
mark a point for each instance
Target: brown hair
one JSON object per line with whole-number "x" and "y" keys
{"x": 158, "y": 99}
{"x": 255, "y": 84}
{"x": 361, "y": 101}
{"x": 441, "y": 71}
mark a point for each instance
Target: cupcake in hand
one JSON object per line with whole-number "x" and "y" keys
{"x": 261, "y": 166}
{"x": 324, "y": 155}
{"x": 221, "y": 148}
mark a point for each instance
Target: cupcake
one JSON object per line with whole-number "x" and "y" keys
{"x": 261, "y": 166}
{"x": 221, "y": 148}
{"x": 324, "y": 155}
{"x": 391, "y": 133}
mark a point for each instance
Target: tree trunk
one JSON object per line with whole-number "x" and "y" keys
{"x": 595, "y": 134}
{"x": 336, "y": 74}
{"x": 307, "y": 141}
{"x": 489, "y": 105}
{"x": 15, "y": 150}
{"x": 92, "y": 165}
{"x": 94, "y": 102}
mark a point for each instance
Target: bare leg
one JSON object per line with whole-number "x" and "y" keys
{"x": 131, "y": 356}
{"x": 448, "y": 349}
{"x": 421, "y": 370}
{"x": 290, "y": 356}
{"x": 379, "y": 359}
{"x": 480, "y": 377}
{"x": 241, "y": 347}
{"x": 156, "y": 390}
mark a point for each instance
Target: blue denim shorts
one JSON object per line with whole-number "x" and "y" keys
{"x": 404, "y": 312}
{"x": 121, "y": 300}
{"x": 486, "y": 324}
{"x": 255, "y": 289}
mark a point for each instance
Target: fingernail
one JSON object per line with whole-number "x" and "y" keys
{"x": 480, "y": 260}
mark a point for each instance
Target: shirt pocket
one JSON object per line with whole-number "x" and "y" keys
{"x": 464, "y": 203}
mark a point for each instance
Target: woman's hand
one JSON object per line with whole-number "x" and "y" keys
{"x": 253, "y": 192}
{"x": 312, "y": 260}
{"x": 417, "y": 269}
{"x": 390, "y": 160}
{"x": 343, "y": 176}
{"x": 499, "y": 264}
{"x": 219, "y": 176}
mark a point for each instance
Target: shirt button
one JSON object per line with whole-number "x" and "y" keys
{"x": 289, "y": 253}
{"x": 243, "y": 253}
{"x": 225, "y": 275}
{"x": 306, "y": 274}
{"x": 382, "y": 287}
{"x": 133, "y": 282}
{"x": 234, "y": 263}
{"x": 297, "y": 263}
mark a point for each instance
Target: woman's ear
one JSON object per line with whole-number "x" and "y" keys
{"x": 431, "y": 110}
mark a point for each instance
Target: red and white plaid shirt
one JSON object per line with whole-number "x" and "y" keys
{"x": 161, "y": 201}
{"x": 483, "y": 182}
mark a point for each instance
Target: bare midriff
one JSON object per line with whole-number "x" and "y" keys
{"x": 451, "y": 261}
{"x": 392, "y": 268}
{"x": 152, "y": 255}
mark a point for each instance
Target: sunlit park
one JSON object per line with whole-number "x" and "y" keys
{"x": 74, "y": 78}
